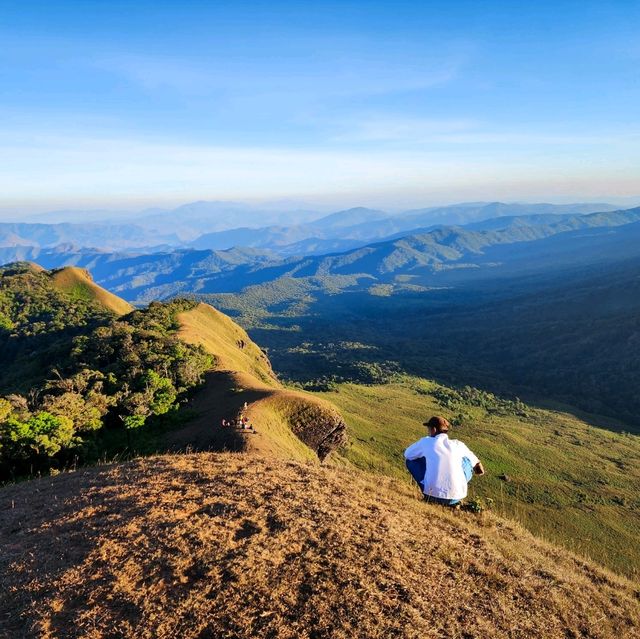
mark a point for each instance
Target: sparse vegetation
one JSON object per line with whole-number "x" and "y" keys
{"x": 467, "y": 396}
{"x": 213, "y": 545}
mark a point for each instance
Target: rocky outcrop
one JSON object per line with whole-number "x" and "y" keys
{"x": 319, "y": 426}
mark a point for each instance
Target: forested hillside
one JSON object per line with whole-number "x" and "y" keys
{"x": 72, "y": 366}
{"x": 84, "y": 377}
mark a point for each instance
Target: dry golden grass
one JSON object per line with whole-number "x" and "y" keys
{"x": 78, "y": 282}
{"x": 36, "y": 268}
{"x": 222, "y": 397}
{"x": 225, "y": 545}
{"x": 221, "y": 336}
{"x": 289, "y": 424}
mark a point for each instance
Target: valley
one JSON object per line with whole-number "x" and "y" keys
{"x": 569, "y": 336}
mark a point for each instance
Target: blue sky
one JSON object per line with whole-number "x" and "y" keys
{"x": 397, "y": 104}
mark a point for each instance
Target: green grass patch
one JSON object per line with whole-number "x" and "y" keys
{"x": 570, "y": 482}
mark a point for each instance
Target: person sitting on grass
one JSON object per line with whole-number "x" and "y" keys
{"x": 442, "y": 467}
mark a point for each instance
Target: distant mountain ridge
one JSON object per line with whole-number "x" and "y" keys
{"x": 359, "y": 226}
{"x": 223, "y": 225}
{"x": 110, "y": 236}
{"x": 436, "y": 257}
{"x": 445, "y": 246}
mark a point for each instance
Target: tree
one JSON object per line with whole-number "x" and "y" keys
{"x": 42, "y": 434}
{"x": 131, "y": 422}
{"x": 84, "y": 369}
{"x": 163, "y": 393}
{"x": 85, "y": 414}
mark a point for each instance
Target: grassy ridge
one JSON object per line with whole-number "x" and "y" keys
{"x": 77, "y": 283}
{"x": 290, "y": 423}
{"x": 219, "y": 335}
{"x": 569, "y": 482}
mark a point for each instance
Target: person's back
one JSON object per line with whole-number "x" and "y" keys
{"x": 447, "y": 465}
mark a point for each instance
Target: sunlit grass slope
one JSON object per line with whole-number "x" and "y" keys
{"x": 78, "y": 283}
{"x": 289, "y": 424}
{"x": 216, "y": 545}
{"x": 218, "y": 334}
{"x": 568, "y": 481}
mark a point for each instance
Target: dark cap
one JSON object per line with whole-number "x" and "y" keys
{"x": 439, "y": 423}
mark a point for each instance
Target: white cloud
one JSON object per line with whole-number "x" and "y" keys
{"x": 55, "y": 166}
{"x": 315, "y": 71}
{"x": 401, "y": 129}
{"x": 157, "y": 72}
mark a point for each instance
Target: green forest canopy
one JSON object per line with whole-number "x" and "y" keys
{"x": 71, "y": 368}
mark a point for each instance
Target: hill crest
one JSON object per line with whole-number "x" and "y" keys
{"x": 211, "y": 545}
{"x": 78, "y": 282}
{"x": 289, "y": 423}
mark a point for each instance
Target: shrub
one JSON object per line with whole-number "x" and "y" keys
{"x": 42, "y": 434}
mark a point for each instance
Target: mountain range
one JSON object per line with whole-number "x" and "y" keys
{"x": 444, "y": 255}
{"x": 476, "y": 276}
{"x": 220, "y": 226}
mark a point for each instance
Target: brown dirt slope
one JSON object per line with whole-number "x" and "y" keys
{"x": 222, "y": 545}
{"x": 36, "y": 268}
{"x": 78, "y": 282}
{"x": 289, "y": 424}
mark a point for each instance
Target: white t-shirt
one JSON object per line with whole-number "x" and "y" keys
{"x": 444, "y": 477}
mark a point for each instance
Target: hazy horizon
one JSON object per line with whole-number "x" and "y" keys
{"x": 55, "y": 215}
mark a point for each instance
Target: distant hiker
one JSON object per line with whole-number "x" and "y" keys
{"x": 245, "y": 406}
{"x": 442, "y": 466}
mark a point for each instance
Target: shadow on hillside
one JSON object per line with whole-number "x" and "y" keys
{"x": 536, "y": 349}
{"x": 221, "y": 397}
{"x": 55, "y": 539}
